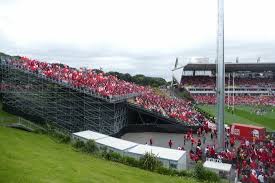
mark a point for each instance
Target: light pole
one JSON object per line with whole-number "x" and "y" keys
{"x": 220, "y": 76}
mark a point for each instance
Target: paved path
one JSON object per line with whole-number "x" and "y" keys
{"x": 161, "y": 140}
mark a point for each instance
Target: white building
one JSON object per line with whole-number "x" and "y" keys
{"x": 115, "y": 144}
{"x": 170, "y": 158}
{"x": 88, "y": 135}
{"x": 222, "y": 169}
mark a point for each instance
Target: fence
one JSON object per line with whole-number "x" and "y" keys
{"x": 18, "y": 121}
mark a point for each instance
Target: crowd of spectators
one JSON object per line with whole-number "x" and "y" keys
{"x": 110, "y": 86}
{"x": 179, "y": 109}
{"x": 105, "y": 85}
{"x": 238, "y": 100}
{"x": 254, "y": 82}
{"x": 210, "y": 82}
{"x": 254, "y": 160}
{"x": 199, "y": 81}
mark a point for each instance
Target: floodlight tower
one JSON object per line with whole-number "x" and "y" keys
{"x": 220, "y": 76}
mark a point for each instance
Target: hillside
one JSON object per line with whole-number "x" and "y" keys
{"x": 30, "y": 157}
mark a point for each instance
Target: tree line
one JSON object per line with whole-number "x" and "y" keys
{"x": 140, "y": 79}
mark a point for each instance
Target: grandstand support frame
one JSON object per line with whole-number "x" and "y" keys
{"x": 228, "y": 94}
{"x": 158, "y": 116}
{"x": 48, "y": 101}
{"x": 220, "y": 75}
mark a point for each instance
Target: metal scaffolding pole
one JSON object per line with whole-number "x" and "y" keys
{"x": 42, "y": 100}
{"x": 233, "y": 101}
{"x": 228, "y": 92}
{"x": 220, "y": 74}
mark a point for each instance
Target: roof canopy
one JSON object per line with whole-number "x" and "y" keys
{"x": 232, "y": 67}
{"x": 225, "y": 167}
{"x": 90, "y": 135}
{"x": 131, "y": 147}
{"x": 116, "y": 143}
{"x": 161, "y": 152}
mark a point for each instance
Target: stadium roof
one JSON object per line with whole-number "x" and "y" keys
{"x": 232, "y": 67}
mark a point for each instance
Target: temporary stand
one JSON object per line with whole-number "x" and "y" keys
{"x": 46, "y": 100}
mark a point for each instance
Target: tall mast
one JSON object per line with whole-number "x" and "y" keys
{"x": 220, "y": 75}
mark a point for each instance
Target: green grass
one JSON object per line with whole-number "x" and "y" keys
{"x": 29, "y": 157}
{"x": 245, "y": 115}
{"x": 6, "y": 117}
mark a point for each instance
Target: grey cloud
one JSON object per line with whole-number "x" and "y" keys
{"x": 147, "y": 62}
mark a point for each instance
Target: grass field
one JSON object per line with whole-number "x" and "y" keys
{"x": 29, "y": 157}
{"x": 245, "y": 115}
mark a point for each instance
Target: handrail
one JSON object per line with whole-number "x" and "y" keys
{"x": 27, "y": 123}
{"x": 4, "y": 121}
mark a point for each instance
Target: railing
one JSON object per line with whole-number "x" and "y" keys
{"x": 29, "y": 124}
{"x": 17, "y": 121}
{"x": 8, "y": 120}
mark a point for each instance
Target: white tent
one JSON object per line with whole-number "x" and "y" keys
{"x": 88, "y": 135}
{"x": 171, "y": 158}
{"x": 223, "y": 169}
{"x": 115, "y": 144}
{"x": 217, "y": 166}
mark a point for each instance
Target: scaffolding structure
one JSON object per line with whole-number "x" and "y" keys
{"x": 159, "y": 117}
{"x": 46, "y": 100}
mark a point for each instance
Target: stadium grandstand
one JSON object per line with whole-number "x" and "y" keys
{"x": 85, "y": 99}
{"x": 245, "y": 83}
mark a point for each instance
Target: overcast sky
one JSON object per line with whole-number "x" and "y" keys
{"x": 135, "y": 36}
